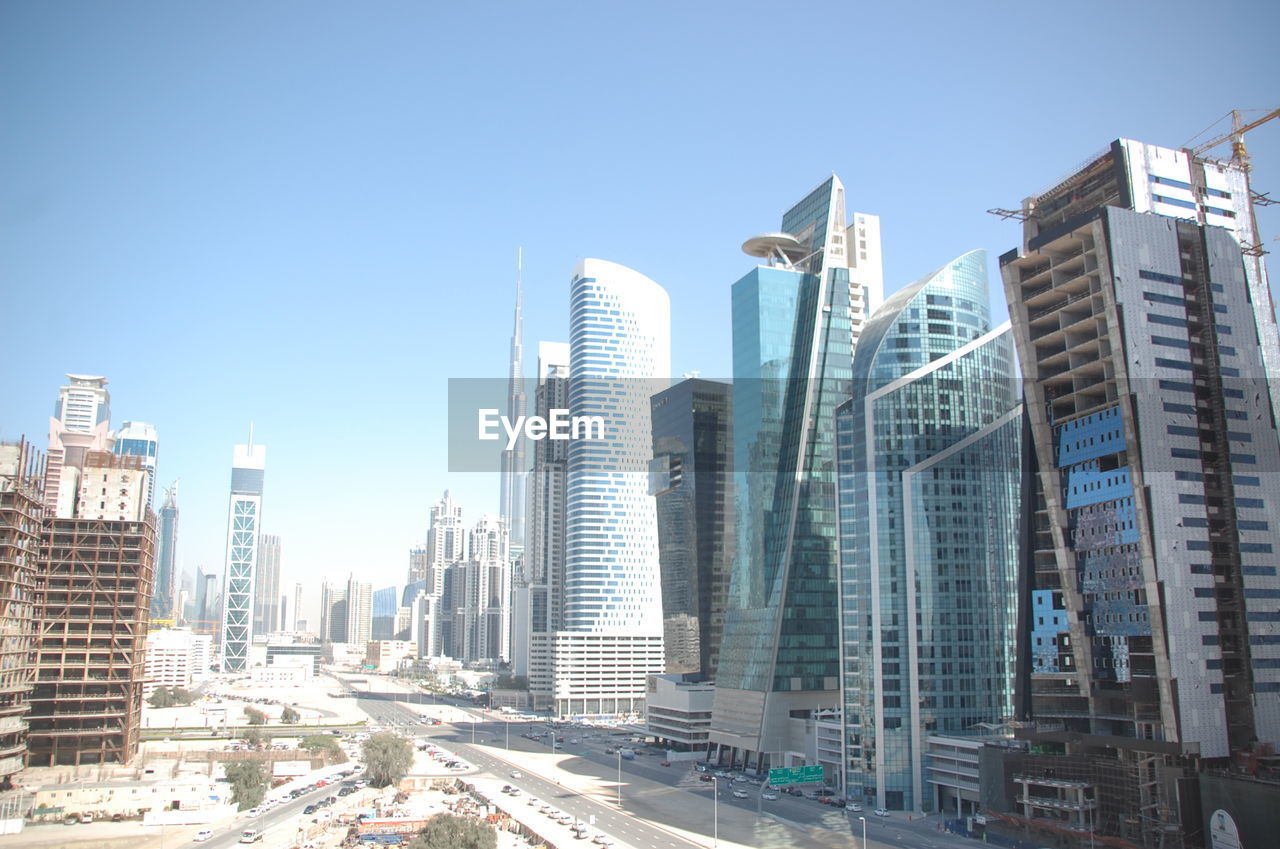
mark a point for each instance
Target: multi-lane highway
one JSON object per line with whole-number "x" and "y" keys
{"x": 661, "y": 806}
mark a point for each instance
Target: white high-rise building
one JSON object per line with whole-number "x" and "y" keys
{"x": 620, "y": 355}
{"x": 446, "y": 541}
{"x": 244, "y": 524}
{"x": 81, "y": 423}
{"x": 359, "y": 611}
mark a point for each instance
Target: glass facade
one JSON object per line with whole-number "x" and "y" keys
{"x": 690, "y": 477}
{"x": 929, "y": 498}
{"x": 792, "y": 348}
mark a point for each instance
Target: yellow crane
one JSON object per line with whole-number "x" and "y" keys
{"x": 1239, "y": 154}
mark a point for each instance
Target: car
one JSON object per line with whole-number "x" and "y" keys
{"x": 601, "y": 840}
{"x": 250, "y": 836}
{"x": 515, "y": 791}
{"x": 254, "y": 812}
{"x": 515, "y": 773}
{"x": 310, "y": 809}
{"x": 769, "y": 795}
{"x": 665, "y": 763}
{"x": 202, "y": 835}
{"x": 70, "y": 819}
{"x": 86, "y": 818}
{"x": 739, "y": 793}
{"x": 793, "y": 791}
{"x": 564, "y": 819}
{"x": 533, "y": 802}
{"x": 705, "y": 777}
{"x": 855, "y": 807}
{"x": 506, "y": 788}
{"x": 881, "y": 812}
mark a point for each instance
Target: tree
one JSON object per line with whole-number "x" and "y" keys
{"x": 387, "y": 758}
{"x": 162, "y": 698}
{"x": 289, "y": 716}
{"x": 446, "y": 831}
{"x": 248, "y": 785}
{"x": 182, "y": 696}
{"x": 256, "y": 717}
{"x": 321, "y": 743}
{"x": 255, "y": 737}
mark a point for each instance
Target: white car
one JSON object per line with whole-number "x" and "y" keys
{"x": 254, "y": 812}
{"x": 853, "y": 806}
{"x": 769, "y": 796}
{"x": 515, "y": 773}
{"x": 881, "y": 812}
{"x": 202, "y": 835}
{"x": 739, "y": 793}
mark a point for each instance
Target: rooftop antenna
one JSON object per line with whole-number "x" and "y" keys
{"x": 250, "y": 437}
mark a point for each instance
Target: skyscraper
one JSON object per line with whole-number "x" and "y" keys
{"x": 244, "y": 524}
{"x": 333, "y": 613}
{"x": 539, "y": 586}
{"x": 81, "y": 423}
{"x": 691, "y": 477}
{"x": 164, "y": 599}
{"x": 385, "y": 605}
{"x": 514, "y": 464}
{"x": 266, "y": 586}
{"x": 794, "y": 325}
{"x": 929, "y": 494}
{"x": 446, "y": 538}
{"x": 21, "y": 505}
{"x": 1146, "y": 340}
{"x": 140, "y": 440}
{"x": 359, "y": 611}
{"x": 619, "y": 354}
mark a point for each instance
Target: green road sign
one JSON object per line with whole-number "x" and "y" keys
{"x": 795, "y": 775}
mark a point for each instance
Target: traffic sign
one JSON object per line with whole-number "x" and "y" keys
{"x": 795, "y": 775}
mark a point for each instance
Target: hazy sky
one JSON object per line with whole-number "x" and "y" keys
{"x": 306, "y": 214}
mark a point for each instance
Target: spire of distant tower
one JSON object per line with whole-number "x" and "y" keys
{"x": 513, "y": 460}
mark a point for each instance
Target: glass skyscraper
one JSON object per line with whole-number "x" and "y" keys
{"x": 929, "y": 494}
{"x": 794, "y": 324}
{"x": 691, "y": 479}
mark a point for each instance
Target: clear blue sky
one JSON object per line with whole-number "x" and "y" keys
{"x": 306, "y": 214}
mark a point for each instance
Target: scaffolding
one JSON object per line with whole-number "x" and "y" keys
{"x": 21, "y": 508}
{"x": 93, "y": 602}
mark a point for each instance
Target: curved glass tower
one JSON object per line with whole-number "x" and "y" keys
{"x": 619, "y": 356}
{"x": 929, "y": 494}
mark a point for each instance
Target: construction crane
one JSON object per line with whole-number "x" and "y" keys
{"x": 1239, "y": 154}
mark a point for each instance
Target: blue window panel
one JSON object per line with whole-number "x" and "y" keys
{"x": 1171, "y": 321}
{"x": 1159, "y": 278}
{"x": 1087, "y": 484}
{"x": 1169, "y": 181}
{"x": 1178, "y": 202}
{"x": 1165, "y": 362}
{"x": 1090, "y": 437}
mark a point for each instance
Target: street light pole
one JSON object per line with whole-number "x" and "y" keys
{"x": 864, "y": 832}
{"x": 619, "y": 779}
{"x": 715, "y": 811}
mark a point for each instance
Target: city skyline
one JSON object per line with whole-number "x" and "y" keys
{"x": 346, "y": 278}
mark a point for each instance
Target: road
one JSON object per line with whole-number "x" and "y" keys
{"x": 229, "y": 835}
{"x": 653, "y": 796}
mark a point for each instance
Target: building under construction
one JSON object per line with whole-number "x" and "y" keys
{"x": 1151, "y": 601}
{"x": 93, "y": 605}
{"x": 21, "y": 508}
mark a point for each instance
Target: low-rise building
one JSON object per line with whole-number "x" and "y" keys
{"x": 128, "y": 797}
{"x": 293, "y": 673}
{"x": 170, "y": 660}
{"x": 679, "y": 712}
{"x": 389, "y": 655}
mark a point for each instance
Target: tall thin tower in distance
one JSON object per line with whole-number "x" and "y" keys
{"x": 513, "y": 460}
{"x": 244, "y": 524}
